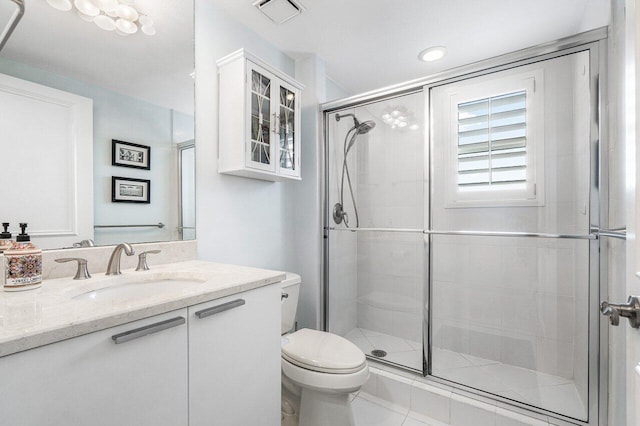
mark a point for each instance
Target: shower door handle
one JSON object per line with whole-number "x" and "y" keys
{"x": 629, "y": 310}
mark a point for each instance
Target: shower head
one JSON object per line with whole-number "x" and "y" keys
{"x": 365, "y": 127}
{"x": 361, "y": 128}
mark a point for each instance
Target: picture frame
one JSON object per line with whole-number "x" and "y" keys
{"x": 127, "y": 154}
{"x": 130, "y": 190}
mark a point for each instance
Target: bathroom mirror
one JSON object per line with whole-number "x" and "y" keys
{"x": 139, "y": 91}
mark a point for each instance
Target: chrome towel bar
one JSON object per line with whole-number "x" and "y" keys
{"x": 157, "y": 225}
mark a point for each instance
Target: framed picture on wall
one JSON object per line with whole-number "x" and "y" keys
{"x": 127, "y": 154}
{"x": 129, "y": 190}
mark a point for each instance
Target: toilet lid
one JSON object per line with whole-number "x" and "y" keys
{"x": 324, "y": 352}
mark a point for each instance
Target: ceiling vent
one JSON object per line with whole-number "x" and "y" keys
{"x": 279, "y": 11}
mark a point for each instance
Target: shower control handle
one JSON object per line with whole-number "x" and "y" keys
{"x": 629, "y": 310}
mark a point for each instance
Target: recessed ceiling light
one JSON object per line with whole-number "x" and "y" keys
{"x": 433, "y": 53}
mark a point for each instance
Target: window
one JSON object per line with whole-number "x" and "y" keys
{"x": 495, "y": 151}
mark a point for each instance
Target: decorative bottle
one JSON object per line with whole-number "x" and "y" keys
{"x": 22, "y": 264}
{"x": 5, "y": 238}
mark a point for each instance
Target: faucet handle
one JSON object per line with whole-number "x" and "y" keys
{"x": 142, "y": 260}
{"x": 82, "y": 273}
{"x": 84, "y": 243}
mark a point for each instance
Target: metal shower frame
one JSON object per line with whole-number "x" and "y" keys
{"x": 595, "y": 42}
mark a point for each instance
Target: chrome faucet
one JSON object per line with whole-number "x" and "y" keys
{"x": 113, "y": 268}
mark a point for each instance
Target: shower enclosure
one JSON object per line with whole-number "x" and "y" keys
{"x": 461, "y": 228}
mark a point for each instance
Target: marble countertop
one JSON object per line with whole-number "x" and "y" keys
{"x": 50, "y": 313}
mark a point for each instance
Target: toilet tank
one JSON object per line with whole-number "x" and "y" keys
{"x": 289, "y": 301}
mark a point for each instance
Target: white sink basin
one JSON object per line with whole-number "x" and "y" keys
{"x": 137, "y": 289}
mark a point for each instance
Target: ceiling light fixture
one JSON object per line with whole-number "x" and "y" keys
{"x": 432, "y": 54}
{"x": 120, "y": 16}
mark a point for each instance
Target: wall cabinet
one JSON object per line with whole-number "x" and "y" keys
{"x": 259, "y": 119}
{"x": 217, "y": 363}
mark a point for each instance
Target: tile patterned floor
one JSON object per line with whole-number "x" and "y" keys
{"x": 371, "y": 411}
{"x": 553, "y": 393}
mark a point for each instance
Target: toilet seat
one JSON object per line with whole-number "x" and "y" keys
{"x": 322, "y": 352}
{"x": 325, "y": 382}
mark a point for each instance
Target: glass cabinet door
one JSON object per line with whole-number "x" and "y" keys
{"x": 260, "y": 145}
{"x": 287, "y": 131}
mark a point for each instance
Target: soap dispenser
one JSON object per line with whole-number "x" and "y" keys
{"x": 23, "y": 264}
{"x": 5, "y": 238}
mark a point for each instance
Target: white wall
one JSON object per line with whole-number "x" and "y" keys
{"x": 247, "y": 221}
{"x": 304, "y": 198}
{"x": 240, "y": 220}
{"x": 335, "y": 91}
{"x": 120, "y": 117}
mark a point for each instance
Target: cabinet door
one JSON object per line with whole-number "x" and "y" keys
{"x": 234, "y": 360}
{"x": 91, "y": 380}
{"x": 260, "y": 150}
{"x": 288, "y": 129}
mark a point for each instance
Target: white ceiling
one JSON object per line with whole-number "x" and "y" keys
{"x": 153, "y": 68}
{"x": 369, "y": 44}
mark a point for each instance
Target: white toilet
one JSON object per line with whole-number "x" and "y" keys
{"x": 319, "y": 370}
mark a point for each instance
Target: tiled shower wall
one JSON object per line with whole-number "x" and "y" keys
{"x": 377, "y": 278}
{"x": 514, "y": 301}
{"x": 343, "y": 249}
{"x": 391, "y": 266}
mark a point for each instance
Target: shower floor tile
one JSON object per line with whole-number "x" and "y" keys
{"x": 399, "y": 351}
{"x": 553, "y": 393}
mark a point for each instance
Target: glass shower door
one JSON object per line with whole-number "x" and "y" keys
{"x": 377, "y": 250}
{"x": 511, "y": 173}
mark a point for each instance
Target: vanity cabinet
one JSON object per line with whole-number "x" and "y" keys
{"x": 259, "y": 119}
{"x": 92, "y": 380}
{"x": 215, "y": 363}
{"x": 234, "y": 360}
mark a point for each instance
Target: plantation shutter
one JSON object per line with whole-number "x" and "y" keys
{"x": 492, "y": 143}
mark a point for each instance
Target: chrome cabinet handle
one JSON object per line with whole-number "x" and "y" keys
{"x": 82, "y": 273}
{"x": 219, "y": 308}
{"x": 630, "y": 310}
{"x": 147, "y": 329}
{"x": 275, "y": 124}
